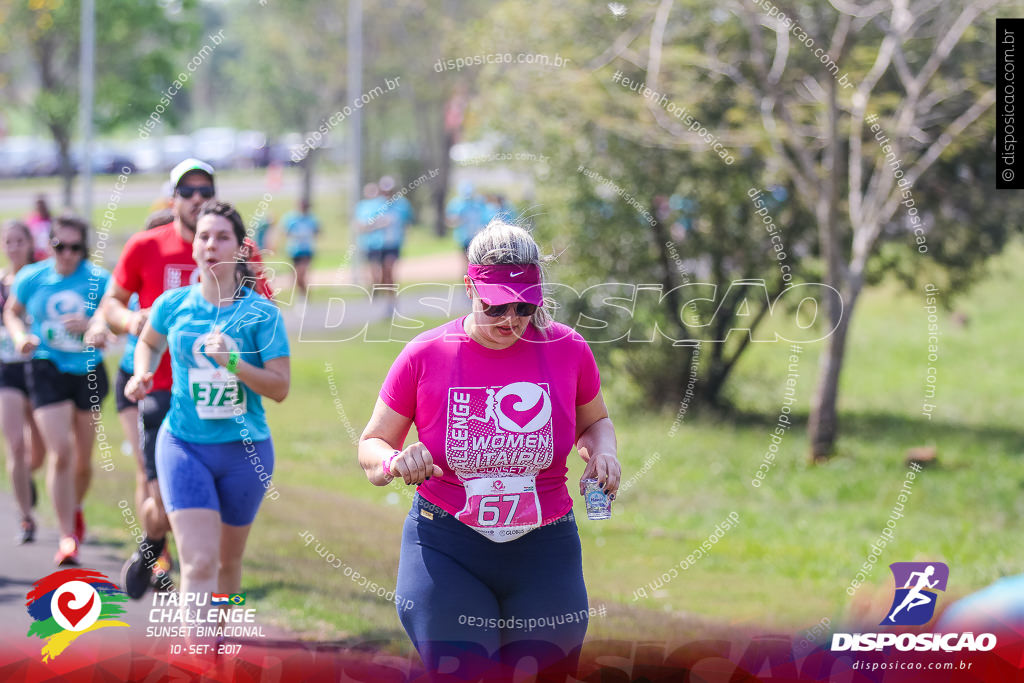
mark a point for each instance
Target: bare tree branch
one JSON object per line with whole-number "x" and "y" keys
{"x": 781, "y": 55}
{"x": 855, "y": 10}
{"x": 750, "y": 22}
{"x": 919, "y": 167}
{"x": 618, "y": 46}
{"x": 951, "y": 38}
{"x": 805, "y": 184}
{"x": 860, "y": 102}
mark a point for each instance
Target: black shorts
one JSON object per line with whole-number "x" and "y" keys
{"x": 152, "y": 411}
{"x": 380, "y": 255}
{"x": 48, "y": 385}
{"x": 122, "y": 401}
{"x": 302, "y": 257}
{"x": 12, "y": 376}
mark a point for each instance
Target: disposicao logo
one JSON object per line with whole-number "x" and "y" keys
{"x": 913, "y": 604}
{"x": 69, "y": 603}
{"x": 915, "y": 598}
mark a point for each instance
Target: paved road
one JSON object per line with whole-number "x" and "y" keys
{"x": 138, "y": 653}
{"x": 338, "y": 310}
{"x": 23, "y": 565}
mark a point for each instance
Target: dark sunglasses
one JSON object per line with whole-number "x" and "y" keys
{"x": 187, "y": 191}
{"x": 60, "y": 247}
{"x": 522, "y": 309}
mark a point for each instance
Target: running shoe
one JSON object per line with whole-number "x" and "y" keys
{"x": 161, "y": 579}
{"x": 162, "y": 582}
{"x": 67, "y": 552}
{"x": 79, "y": 525}
{"x": 135, "y": 576}
{"x": 27, "y": 534}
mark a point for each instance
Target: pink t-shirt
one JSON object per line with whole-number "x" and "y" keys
{"x": 488, "y": 413}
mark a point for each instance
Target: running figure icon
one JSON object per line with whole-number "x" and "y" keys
{"x": 915, "y": 597}
{"x": 489, "y": 415}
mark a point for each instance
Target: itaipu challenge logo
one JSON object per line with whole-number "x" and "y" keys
{"x": 916, "y": 584}
{"x": 70, "y": 603}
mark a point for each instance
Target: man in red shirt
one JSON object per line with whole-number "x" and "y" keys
{"x": 153, "y": 262}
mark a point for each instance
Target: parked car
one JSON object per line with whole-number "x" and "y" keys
{"x": 26, "y": 156}
{"x": 216, "y": 146}
{"x": 104, "y": 159}
{"x": 175, "y": 149}
{"x": 148, "y": 155}
{"x": 16, "y": 156}
{"x": 251, "y": 150}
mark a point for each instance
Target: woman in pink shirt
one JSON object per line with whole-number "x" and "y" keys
{"x": 491, "y": 567}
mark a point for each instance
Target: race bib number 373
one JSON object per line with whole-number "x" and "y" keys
{"x": 216, "y": 393}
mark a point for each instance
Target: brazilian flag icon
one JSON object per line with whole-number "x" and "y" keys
{"x": 237, "y": 598}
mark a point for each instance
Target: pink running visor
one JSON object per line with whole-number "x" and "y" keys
{"x": 507, "y": 284}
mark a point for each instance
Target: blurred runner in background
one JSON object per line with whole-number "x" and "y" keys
{"x": 66, "y": 379}
{"x": 397, "y": 215}
{"x": 467, "y": 213}
{"x": 370, "y": 222}
{"x": 301, "y": 229}
{"x": 40, "y": 222}
{"x": 25, "y": 449}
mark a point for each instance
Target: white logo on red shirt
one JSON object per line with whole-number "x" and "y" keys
{"x": 175, "y": 275}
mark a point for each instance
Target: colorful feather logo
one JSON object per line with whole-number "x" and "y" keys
{"x": 69, "y": 603}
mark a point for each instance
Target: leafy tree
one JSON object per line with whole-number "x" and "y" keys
{"x": 429, "y": 120}
{"x": 623, "y": 204}
{"x": 293, "y": 78}
{"x": 740, "y": 71}
{"x": 289, "y": 74}
{"x": 858, "y": 147}
{"x": 140, "y": 47}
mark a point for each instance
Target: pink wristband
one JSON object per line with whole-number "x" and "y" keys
{"x": 386, "y": 463}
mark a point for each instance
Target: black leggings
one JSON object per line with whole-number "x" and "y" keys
{"x": 471, "y": 605}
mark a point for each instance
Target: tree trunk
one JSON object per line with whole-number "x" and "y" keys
{"x": 721, "y": 367}
{"x": 67, "y": 175}
{"x": 823, "y": 424}
{"x": 307, "y": 178}
{"x": 65, "y": 169}
{"x": 440, "y": 189}
{"x": 709, "y": 388}
{"x": 452, "y": 119}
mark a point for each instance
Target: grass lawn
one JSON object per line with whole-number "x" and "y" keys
{"x": 802, "y": 535}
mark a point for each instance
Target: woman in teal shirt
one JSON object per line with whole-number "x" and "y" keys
{"x": 66, "y": 379}
{"x": 214, "y": 454}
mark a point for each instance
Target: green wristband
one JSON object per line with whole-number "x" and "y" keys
{"x": 232, "y": 365}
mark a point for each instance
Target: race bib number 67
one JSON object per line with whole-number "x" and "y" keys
{"x": 501, "y": 508}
